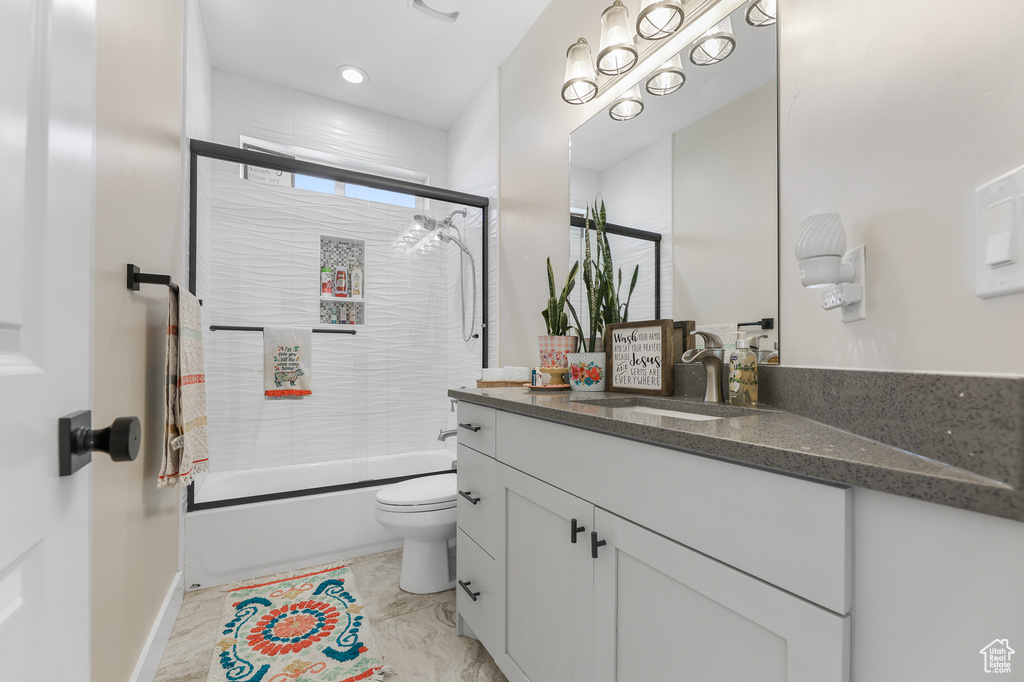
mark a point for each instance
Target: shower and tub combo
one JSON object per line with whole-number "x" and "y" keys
{"x": 356, "y": 467}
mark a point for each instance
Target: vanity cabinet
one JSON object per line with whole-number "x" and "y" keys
{"x": 599, "y": 572}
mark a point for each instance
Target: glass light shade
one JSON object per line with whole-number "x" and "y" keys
{"x": 762, "y": 12}
{"x": 715, "y": 45}
{"x": 659, "y": 18}
{"x": 618, "y": 49}
{"x": 668, "y": 77}
{"x": 580, "y": 77}
{"x": 628, "y": 106}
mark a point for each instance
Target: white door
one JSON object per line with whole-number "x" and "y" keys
{"x": 549, "y": 581}
{"x": 47, "y": 131}
{"x": 665, "y": 612}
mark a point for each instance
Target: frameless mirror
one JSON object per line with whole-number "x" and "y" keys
{"x": 700, "y": 166}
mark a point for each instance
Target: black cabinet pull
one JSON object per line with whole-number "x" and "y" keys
{"x": 465, "y": 585}
{"x": 595, "y": 543}
{"x": 576, "y": 530}
{"x": 472, "y": 428}
{"x": 466, "y": 494}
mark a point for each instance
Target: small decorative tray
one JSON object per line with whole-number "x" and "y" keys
{"x": 547, "y": 388}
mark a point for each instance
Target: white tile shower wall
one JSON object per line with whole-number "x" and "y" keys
{"x": 473, "y": 168}
{"x": 379, "y": 392}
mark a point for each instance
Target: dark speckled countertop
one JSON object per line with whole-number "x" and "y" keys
{"x": 767, "y": 438}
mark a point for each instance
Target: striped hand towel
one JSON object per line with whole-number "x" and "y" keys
{"x": 186, "y": 449}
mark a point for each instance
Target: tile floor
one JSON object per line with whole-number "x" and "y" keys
{"x": 415, "y": 632}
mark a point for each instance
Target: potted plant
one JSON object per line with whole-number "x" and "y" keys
{"x": 557, "y": 343}
{"x": 587, "y": 368}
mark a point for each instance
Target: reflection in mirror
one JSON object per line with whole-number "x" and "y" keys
{"x": 700, "y": 166}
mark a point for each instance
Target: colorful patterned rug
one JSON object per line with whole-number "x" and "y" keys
{"x": 301, "y": 627}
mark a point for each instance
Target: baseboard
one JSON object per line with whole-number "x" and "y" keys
{"x": 149, "y": 659}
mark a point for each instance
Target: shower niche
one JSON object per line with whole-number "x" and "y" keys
{"x": 344, "y": 262}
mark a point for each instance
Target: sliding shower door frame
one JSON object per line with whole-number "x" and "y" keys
{"x": 209, "y": 150}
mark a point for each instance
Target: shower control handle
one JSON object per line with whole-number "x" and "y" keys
{"x": 595, "y": 543}
{"x": 576, "y": 530}
{"x": 467, "y": 495}
{"x": 465, "y": 585}
{"x": 472, "y": 428}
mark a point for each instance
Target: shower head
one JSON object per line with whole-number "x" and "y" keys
{"x": 428, "y": 224}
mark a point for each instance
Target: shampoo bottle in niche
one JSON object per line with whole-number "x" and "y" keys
{"x": 341, "y": 283}
{"x": 357, "y": 282}
{"x": 742, "y": 373}
{"x": 326, "y": 281}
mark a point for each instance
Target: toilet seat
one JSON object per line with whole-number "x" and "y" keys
{"x": 427, "y": 493}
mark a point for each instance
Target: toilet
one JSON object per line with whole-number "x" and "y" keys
{"x": 422, "y": 512}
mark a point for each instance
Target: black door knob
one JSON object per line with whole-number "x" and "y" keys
{"x": 121, "y": 440}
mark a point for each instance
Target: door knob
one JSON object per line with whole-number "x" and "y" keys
{"x": 77, "y": 440}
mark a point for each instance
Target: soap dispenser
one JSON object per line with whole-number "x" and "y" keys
{"x": 742, "y": 373}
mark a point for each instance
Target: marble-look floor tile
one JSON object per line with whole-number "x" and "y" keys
{"x": 422, "y": 646}
{"x": 190, "y": 647}
{"x": 377, "y": 578}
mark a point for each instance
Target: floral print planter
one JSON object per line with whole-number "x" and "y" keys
{"x": 553, "y": 349}
{"x": 586, "y": 371}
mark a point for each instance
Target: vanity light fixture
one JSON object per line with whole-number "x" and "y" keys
{"x": 826, "y": 264}
{"x": 580, "y": 77}
{"x": 618, "y": 45}
{"x": 715, "y": 45}
{"x": 659, "y": 18}
{"x": 352, "y": 74}
{"x": 628, "y": 106}
{"x": 762, "y": 12}
{"x": 667, "y": 78}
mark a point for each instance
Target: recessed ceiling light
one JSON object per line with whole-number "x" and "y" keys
{"x": 353, "y": 74}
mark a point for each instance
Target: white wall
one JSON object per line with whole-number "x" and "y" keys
{"x": 534, "y": 154}
{"x": 138, "y": 220}
{"x": 726, "y": 213}
{"x": 892, "y": 113}
{"x": 473, "y": 168}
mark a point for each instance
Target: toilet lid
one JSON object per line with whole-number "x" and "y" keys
{"x": 420, "y": 491}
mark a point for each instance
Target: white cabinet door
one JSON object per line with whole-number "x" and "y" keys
{"x": 549, "y": 582}
{"x": 665, "y": 612}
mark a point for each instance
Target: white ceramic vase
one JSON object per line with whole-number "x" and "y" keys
{"x": 586, "y": 371}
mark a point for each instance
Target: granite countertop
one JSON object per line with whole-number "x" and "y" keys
{"x": 767, "y": 438}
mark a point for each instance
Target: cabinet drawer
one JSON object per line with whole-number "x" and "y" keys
{"x": 478, "y": 499}
{"x": 479, "y": 573}
{"x": 476, "y": 427}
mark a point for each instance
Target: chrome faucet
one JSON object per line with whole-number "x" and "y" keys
{"x": 711, "y": 357}
{"x": 444, "y": 435}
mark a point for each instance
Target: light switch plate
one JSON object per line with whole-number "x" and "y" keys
{"x": 999, "y": 236}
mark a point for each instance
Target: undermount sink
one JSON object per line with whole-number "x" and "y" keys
{"x": 678, "y": 414}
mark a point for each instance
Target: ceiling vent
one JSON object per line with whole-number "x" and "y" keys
{"x": 445, "y": 10}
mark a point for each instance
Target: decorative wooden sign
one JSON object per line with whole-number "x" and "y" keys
{"x": 639, "y": 357}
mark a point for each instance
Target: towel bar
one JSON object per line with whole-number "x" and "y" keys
{"x": 234, "y": 328}
{"x": 136, "y": 278}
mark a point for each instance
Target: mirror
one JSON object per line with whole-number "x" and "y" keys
{"x": 700, "y": 166}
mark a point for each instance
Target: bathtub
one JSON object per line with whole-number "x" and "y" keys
{"x": 282, "y": 526}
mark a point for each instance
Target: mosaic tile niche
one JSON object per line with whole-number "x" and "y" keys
{"x": 337, "y": 253}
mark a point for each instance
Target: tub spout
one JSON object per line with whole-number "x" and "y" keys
{"x": 444, "y": 435}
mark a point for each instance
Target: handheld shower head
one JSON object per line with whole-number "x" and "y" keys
{"x": 446, "y": 237}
